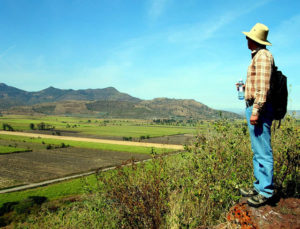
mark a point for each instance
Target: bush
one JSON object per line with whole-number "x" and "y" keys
{"x": 45, "y": 126}
{"x": 139, "y": 193}
{"x": 7, "y": 207}
{"x": 24, "y": 206}
{"x": 18, "y": 211}
{"x": 221, "y": 163}
{"x": 286, "y": 150}
{"x": 31, "y": 126}
{"x": 6, "y": 126}
{"x": 91, "y": 212}
{"x": 218, "y": 166}
{"x": 63, "y": 145}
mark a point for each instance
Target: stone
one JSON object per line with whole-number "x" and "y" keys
{"x": 281, "y": 214}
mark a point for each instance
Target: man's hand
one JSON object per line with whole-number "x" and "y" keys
{"x": 238, "y": 85}
{"x": 254, "y": 119}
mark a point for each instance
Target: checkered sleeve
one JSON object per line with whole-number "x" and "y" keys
{"x": 263, "y": 70}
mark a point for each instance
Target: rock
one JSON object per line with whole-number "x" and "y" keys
{"x": 284, "y": 214}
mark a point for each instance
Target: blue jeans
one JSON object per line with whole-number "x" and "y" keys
{"x": 260, "y": 136}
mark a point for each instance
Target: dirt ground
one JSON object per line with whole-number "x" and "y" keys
{"x": 115, "y": 142}
{"x": 42, "y": 164}
{"x": 179, "y": 139}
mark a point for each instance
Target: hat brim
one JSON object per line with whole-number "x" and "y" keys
{"x": 256, "y": 40}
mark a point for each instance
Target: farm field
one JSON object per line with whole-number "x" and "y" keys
{"x": 53, "y": 158}
{"x": 39, "y": 159}
{"x": 53, "y": 191}
{"x": 35, "y": 166}
{"x": 119, "y": 129}
{"x": 10, "y": 149}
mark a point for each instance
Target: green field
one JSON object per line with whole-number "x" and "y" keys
{"x": 10, "y": 149}
{"x": 98, "y": 127}
{"x": 54, "y": 191}
{"x": 88, "y": 145}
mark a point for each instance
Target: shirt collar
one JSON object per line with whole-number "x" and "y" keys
{"x": 253, "y": 53}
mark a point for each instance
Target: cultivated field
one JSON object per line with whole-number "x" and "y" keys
{"x": 45, "y": 159}
{"x": 68, "y": 145}
{"x": 97, "y": 128}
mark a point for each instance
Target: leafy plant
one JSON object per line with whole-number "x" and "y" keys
{"x": 286, "y": 150}
{"x": 140, "y": 204}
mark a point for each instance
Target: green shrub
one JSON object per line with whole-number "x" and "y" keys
{"x": 18, "y": 211}
{"x": 31, "y": 126}
{"x": 139, "y": 193}
{"x": 24, "y": 206}
{"x": 91, "y": 212}
{"x": 6, "y": 126}
{"x": 286, "y": 150}
{"x": 63, "y": 145}
{"x": 7, "y": 207}
{"x": 45, "y": 126}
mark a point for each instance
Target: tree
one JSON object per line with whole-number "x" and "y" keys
{"x": 8, "y": 127}
{"x": 31, "y": 125}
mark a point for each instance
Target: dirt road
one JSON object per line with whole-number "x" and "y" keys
{"x": 114, "y": 142}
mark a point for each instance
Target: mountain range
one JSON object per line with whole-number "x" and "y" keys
{"x": 103, "y": 103}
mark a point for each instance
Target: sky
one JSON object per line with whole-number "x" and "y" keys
{"x": 189, "y": 49}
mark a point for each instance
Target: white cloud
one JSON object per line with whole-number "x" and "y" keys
{"x": 207, "y": 28}
{"x": 199, "y": 32}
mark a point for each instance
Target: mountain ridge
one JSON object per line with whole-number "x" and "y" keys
{"x": 11, "y": 96}
{"x": 104, "y": 103}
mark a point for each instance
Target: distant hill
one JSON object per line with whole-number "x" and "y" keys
{"x": 11, "y": 96}
{"x": 102, "y": 103}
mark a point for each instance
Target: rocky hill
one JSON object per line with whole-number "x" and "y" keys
{"x": 102, "y": 103}
{"x": 11, "y": 96}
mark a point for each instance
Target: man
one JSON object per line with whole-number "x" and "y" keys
{"x": 259, "y": 115}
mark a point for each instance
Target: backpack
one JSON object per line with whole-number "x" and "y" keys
{"x": 278, "y": 93}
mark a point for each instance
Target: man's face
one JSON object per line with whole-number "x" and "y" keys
{"x": 251, "y": 44}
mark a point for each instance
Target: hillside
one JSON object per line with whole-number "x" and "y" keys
{"x": 11, "y": 96}
{"x": 102, "y": 103}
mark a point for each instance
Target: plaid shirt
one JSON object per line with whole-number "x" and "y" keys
{"x": 258, "y": 79}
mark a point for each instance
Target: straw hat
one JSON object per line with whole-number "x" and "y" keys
{"x": 259, "y": 33}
